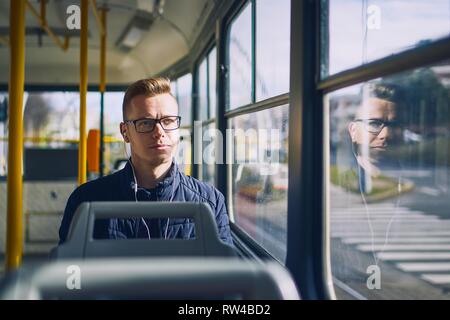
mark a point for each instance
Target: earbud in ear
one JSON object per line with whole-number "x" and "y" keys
{"x": 125, "y": 137}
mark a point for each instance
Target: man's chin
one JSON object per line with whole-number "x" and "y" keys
{"x": 377, "y": 154}
{"x": 160, "y": 158}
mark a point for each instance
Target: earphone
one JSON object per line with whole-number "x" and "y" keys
{"x": 135, "y": 189}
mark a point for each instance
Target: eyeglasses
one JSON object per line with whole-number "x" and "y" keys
{"x": 376, "y": 125}
{"x": 146, "y": 125}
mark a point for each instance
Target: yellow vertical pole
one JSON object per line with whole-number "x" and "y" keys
{"x": 14, "y": 232}
{"x": 103, "y": 51}
{"x": 82, "y": 146}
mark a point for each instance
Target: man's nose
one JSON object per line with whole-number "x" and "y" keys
{"x": 158, "y": 131}
{"x": 385, "y": 133}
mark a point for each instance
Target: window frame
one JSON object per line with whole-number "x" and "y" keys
{"x": 226, "y": 113}
{"x": 311, "y": 102}
{"x": 203, "y": 56}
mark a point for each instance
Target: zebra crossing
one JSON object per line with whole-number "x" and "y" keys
{"x": 413, "y": 241}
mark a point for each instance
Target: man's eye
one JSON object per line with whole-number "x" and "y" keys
{"x": 375, "y": 124}
{"x": 168, "y": 121}
{"x": 147, "y": 123}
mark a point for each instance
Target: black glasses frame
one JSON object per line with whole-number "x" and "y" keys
{"x": 384, "y": 123}
{"x": 155, "y": 121}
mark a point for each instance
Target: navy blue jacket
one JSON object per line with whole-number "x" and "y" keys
{"x": 119, "y": 187}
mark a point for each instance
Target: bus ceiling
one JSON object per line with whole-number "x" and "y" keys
{"x": 143, "y": 38}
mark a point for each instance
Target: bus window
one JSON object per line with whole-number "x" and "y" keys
{"x": 207, "y": 111}
{"x": 272, "y": 48}
{"x": 259, "y": 176}
{"x": 3, "y": 132}
{"x": 114, "y": 146}
{"x": 357, "y": 32}
{"x": 240, "y": 59}
{"x": 181, "y": 89}
{"x": 212, "y": 88}
{"x": 203, "y": 89}
{"x": 184, "y": 87}
{"x": 389, "y": 186}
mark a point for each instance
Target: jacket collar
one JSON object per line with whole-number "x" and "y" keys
{"x": 164, "y": 189}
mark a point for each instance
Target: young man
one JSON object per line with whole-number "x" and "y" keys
{"x": 150, "y": 125}
{"x": 375, "y": 127}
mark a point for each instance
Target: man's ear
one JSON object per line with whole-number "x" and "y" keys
{"x": 123, "y": 131}
{"x": 352, "y": 131}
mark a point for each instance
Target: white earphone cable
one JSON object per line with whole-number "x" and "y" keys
{"x": 135, "y": 188}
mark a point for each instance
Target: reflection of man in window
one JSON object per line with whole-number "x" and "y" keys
{"x": 373, "y": 131}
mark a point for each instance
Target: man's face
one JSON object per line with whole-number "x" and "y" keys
{"x": 372, "y": 129}
{"x": 158, "y": 146}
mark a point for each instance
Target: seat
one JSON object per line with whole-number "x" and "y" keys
{"x": 80, "y": 242}
{"x": 152, "y": 278}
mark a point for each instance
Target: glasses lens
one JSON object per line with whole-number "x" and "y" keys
{"x": 170, "y": 123}
{"x": 374, "y": 125}
{"x": 145, "y": 125}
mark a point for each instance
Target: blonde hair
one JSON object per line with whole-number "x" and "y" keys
{"x": 147, "y": 87}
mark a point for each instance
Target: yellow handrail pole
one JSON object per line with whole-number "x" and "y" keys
{"x": 103, "y": 52}
{"x": 98, "y": 18}
{"x": 43, "y": 24}
{"x": 82, "y": 146}
{"x": 102, "y": 87}
{"x": 43, "y": 12}
{"x": 14, "y": 232}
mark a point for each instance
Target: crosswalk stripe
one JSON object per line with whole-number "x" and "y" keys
{"x": 372, "y": 206}
{"x": 383, "y": 216}
{"x": 396, "y": 240}
{"x": 376, "y": 212}
{"x": 417, "y": 242}
{"x": 424, "y": 266}
{"x": 403, "y": 223}
{"x": 390, "y": 256}
{"x": 395, "y": 228}
{"x": 406, "y": 247}
{"x": 437, "y": 278}
{"x": 396, "y": 234}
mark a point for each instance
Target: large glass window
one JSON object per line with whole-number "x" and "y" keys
{"x": 207, "y": 112}
{"x": 272, "y": 48}
{"x": 3, "y": 132}
{"x": 360, "y": 31}
{"x": 182, "y": 90}
{"x": 184, "y": 98}
{"x": 114, "y": 152}
{"x": 390, "y": 183}
{"x": 258, "y": 64}
{"x": 51, "y": 132}
{"x": 209, "y": 153}
{"x": 212, "y": 89}
{"x": 240, "y": 59}
{"x": 203, "y": 89}
{"x": 258, "y": 150}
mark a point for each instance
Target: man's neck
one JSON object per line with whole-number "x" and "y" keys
{"x": 370, "y": 168}
{"x": 147, "y": 174}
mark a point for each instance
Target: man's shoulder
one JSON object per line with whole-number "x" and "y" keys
{"x": 202, "y": 189}
{"x": 98, "y": 186}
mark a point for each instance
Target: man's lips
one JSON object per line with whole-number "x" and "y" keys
{"x": 159, "y": 146}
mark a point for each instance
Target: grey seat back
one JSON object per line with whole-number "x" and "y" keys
{"x": 153, "y": 278}
{"x": 80, "y": 242}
